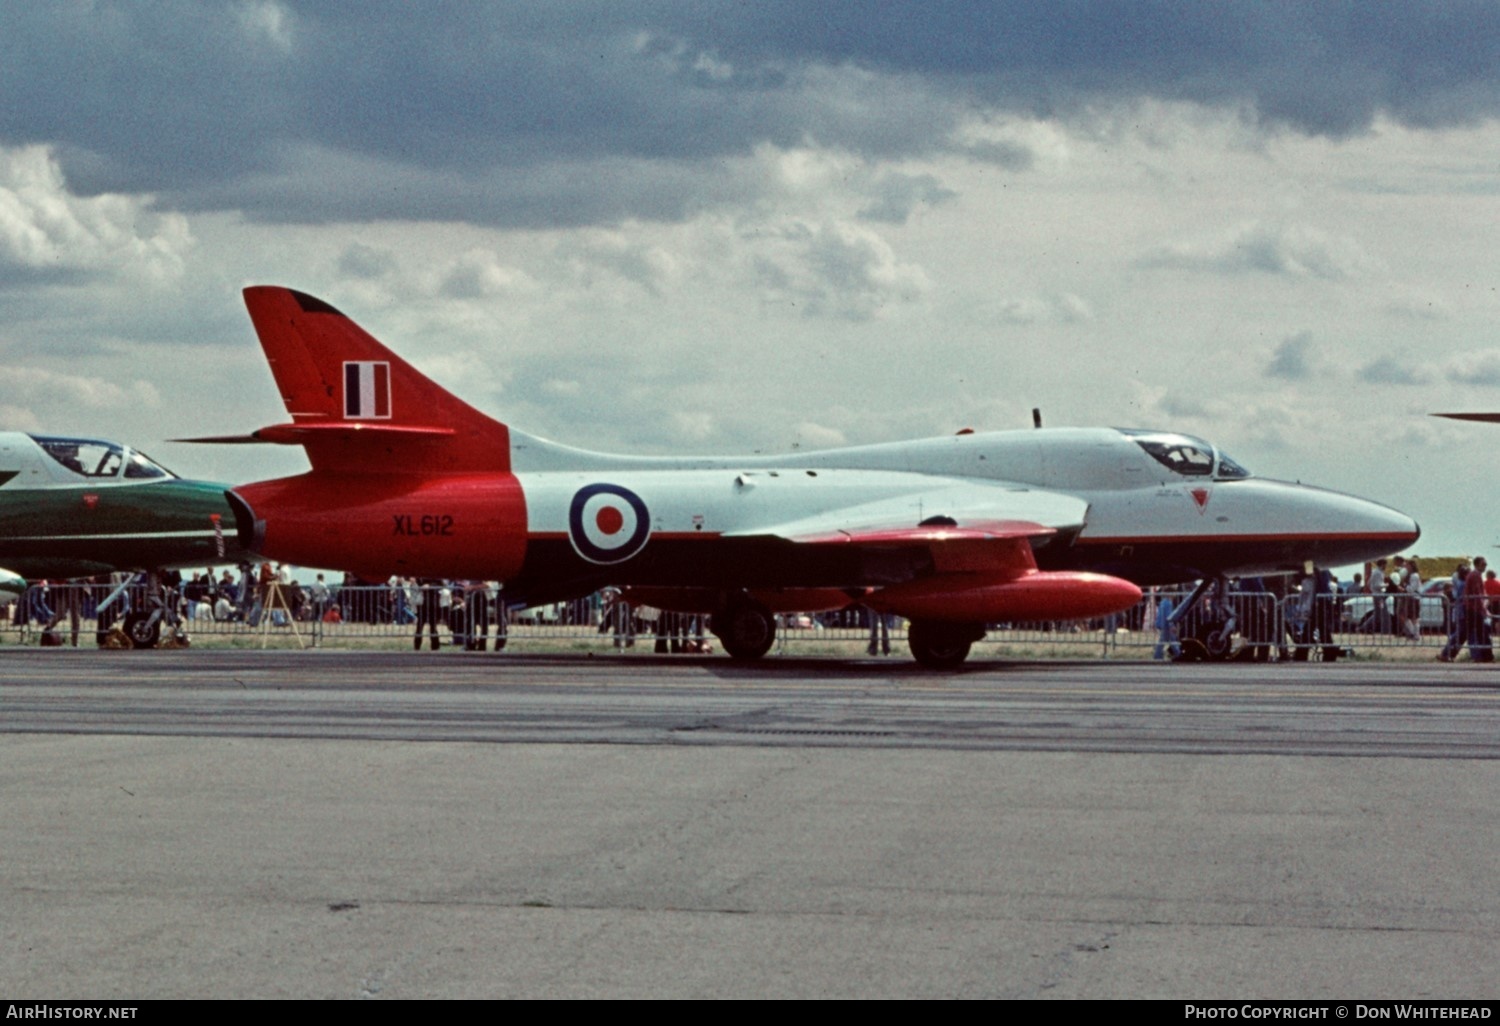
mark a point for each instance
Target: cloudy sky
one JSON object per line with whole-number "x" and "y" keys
{"x": 666, "y": 227}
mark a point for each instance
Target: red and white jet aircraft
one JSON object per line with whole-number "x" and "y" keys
{"x": 951, "y": 533}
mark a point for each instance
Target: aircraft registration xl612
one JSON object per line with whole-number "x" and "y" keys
{"x": 951, "y": 533}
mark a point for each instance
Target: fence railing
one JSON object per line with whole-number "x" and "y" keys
{"x": 1243, "y": 625}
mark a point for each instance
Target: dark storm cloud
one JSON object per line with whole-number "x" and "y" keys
{"x": 506, "y": 112}
{"x": 1320, "y": 66}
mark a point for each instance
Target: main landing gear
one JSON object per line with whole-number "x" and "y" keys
{"x": 143, "y": 629}
{"x": 746, "y": 628}
{"x": 1204, "y": 623}
{"x": 144, "y": 626}
{"x": 938, "y": 645}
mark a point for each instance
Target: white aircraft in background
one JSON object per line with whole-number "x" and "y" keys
{"x": 12, "y": 585}
{"x": 951, "y": 533}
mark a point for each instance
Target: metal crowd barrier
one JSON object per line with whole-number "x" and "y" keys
{"x": 1265, "y": 626}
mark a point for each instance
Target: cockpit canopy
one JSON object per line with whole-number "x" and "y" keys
{"x": 1186, "y": 455}
{"x": 91, "y": 458}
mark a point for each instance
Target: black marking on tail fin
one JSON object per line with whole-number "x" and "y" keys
{"x": 312, "y": 304}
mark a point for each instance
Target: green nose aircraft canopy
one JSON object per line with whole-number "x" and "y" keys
{"x": 75, "y": 507}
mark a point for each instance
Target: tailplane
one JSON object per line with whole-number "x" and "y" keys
{"x": 356, "y": 406}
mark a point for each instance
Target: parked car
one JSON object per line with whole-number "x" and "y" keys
{"x": 1359, "y": 610}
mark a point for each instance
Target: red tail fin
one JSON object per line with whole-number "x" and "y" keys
{"x": 358, "y": 407}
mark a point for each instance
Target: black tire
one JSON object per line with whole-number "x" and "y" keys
{"x": 1217, "y": 646}
{"x": 142, "y": 630}
{"x": 747, "y": 629}
{"x": 941, "y": 646}
{"x": 1191, "y": 650}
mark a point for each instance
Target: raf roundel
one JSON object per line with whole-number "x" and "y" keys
{"x": 607, "y": 523}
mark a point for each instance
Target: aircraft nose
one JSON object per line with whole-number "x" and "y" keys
{"x": 1395, "y": 527}
{"x": 1298, "y": 524}
{"x": 1359, "y": 529}
{"x": 200, "y": 505}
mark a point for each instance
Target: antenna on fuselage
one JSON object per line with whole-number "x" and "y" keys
{"x": 1036, "y": 416}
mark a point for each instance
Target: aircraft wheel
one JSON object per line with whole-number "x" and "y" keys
{"x": 1218, "y": 645}
{"x": 142, "y": 631}
{"x": 1191, "y": 651}
{"x": 941, "y": 646}
{"x": 747, "y": 629}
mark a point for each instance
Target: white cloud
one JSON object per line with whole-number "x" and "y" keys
{"x": 835, "y": 268}
{"x": 1280, "y": 423}
{"x": 1477, "y": 367}
{"x": 46, "y": 230}
{"x": 19, "y": 418}
{"x": 566, "y": 388}
{"x": 1426, "y": 433}
{"x": 1062, "y": 308}
{"x": 896, "y": 195}
{"x": 1011, "y": 143}
{"x": 36, "y": 387}
{"x": 693, "y": 425}
{"x": 474, "y": 375}
{"x": 268, "y": 20}
{"x": 479, "y": 274}
{"x": 1072, "y": 309}
{"x": 1294, "y": 250}
{"x": 652, "y": 267}
{"x": 811, "y": 435}
{"x": 361, "y": 261}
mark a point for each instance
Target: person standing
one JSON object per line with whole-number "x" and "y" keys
{"x": 429, "y": 611}
{"x": 1166, "y": 632}
{"x": 319, "y": 594}
{"x": 1413, "y": 616}
{"x": 476, "y": 616}
{"x": 880, "y": 633}
{"x": 320, "y": 598}
{"x": 1478, "y": 619}
{"x": 1458, "y": 613}
{"x": 67, "y": 603}
{"x": 1375, "y": 584}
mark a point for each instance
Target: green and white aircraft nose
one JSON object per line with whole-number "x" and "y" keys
{"x": 77, "y": 507}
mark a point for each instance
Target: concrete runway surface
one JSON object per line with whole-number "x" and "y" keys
{"x": 337, "y": 824}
